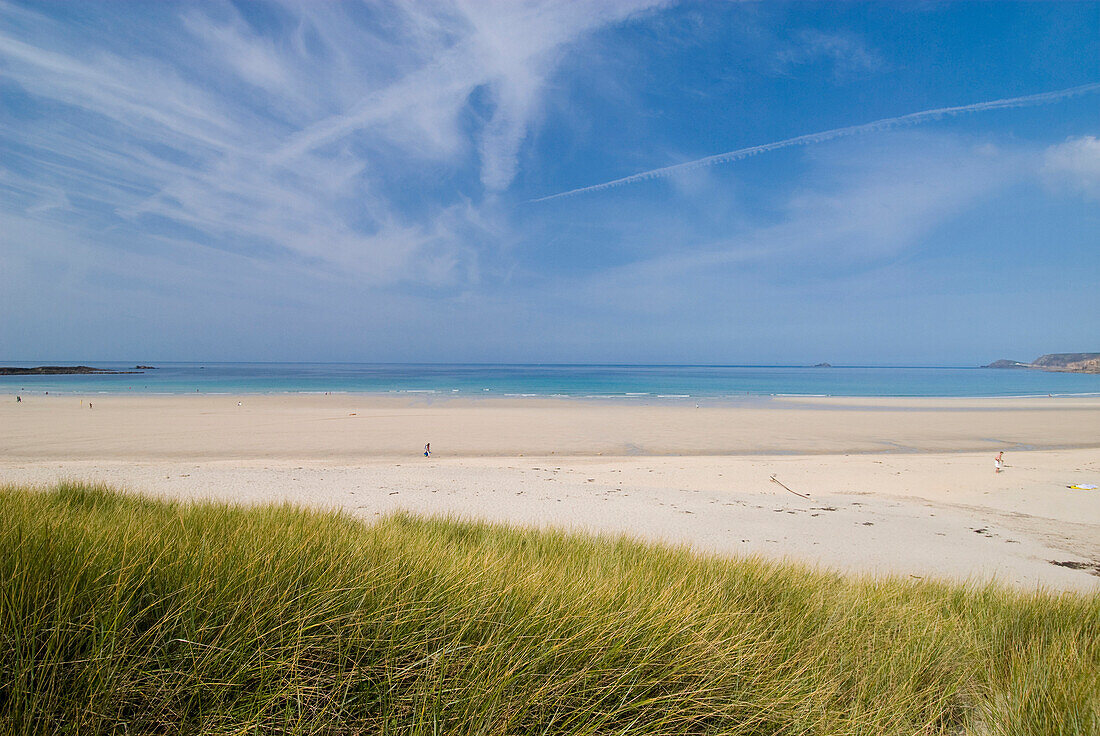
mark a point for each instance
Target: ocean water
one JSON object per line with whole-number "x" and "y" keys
{"x": 625, "y": 382}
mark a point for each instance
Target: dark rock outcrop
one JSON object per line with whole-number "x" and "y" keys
{"x": 58, "y": 370}
{"x": 1006, "y": 364}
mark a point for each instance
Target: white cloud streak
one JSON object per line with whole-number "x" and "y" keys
{"x": 297, "y": 138}
{"x": 913, "y": 118}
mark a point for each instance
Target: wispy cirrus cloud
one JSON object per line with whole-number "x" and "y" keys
{"x": 857, "y": 206}
{"x": 269, "y": 177}
{"x": 285, "y": 130}
{"x": 848, "y": 54}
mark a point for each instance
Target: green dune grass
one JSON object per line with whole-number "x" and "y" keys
{"x": 122, "y": 614}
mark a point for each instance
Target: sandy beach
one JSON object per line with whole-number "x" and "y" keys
{"x": 895, "y": 486}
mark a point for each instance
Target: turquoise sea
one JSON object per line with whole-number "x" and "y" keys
{"x": 626, "y": 382}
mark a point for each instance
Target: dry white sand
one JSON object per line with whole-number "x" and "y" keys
{"x": 895, "y": 486}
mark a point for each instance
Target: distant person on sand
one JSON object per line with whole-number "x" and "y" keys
{"x": 999, "y": 462}
{"x": 18, "y": 399}
{"x": 428, "y": 450}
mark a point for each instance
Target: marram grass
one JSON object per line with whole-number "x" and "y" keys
{"x": 122, "y": 614}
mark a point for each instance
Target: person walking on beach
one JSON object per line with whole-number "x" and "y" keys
{"x": 999, "y": 462}
{"x": 428, "y": 450}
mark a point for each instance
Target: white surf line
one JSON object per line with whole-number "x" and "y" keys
{"x": 828, "y": 135}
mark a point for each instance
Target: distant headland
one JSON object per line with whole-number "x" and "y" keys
{"x": 63, "y": 370}
{"x": 1056, "y": 362}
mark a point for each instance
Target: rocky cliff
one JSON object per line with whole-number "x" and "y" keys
{"x": 1059, "y": 362}
{"x": 1069, "y": 362}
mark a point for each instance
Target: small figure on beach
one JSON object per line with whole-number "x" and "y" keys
{"x": 89, "y": 405}
{"x": 18, "y": 399}
{"x": 428, "y": 450}
{"x": 999, "y": 462}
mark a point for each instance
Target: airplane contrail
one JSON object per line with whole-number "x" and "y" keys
{"x": 828, "y": 135}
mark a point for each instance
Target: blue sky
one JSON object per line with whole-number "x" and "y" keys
{"x": 355, "y": 182}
